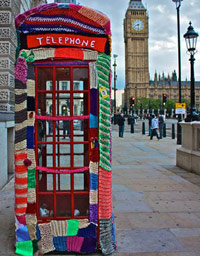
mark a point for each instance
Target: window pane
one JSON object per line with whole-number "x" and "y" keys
{"x": 62, "y": 79}
{"x": 45, "y": 104}
{"x": 63, "y": 205}
{"x": 81, "y": 205}
{"x": 45, "y": 78}
{"x": 63, "y": 130}
{"x": 63, "y": 182}
{"x": 80, "y": 104}
{"x": 63, "y": 160}
{"x": 45, "y": 155}
{"x": 81, "y": 128}
{"x": 80, "y": 76}
{"x": 80, "y": 155}
{"x": 46, "y": 208}
{"x": 79, "y": 161}
{"x": 63, "y": 104}
{"x": 45, "y": 182}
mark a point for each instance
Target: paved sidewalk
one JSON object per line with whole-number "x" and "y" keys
{"x": 156, "y": 204}
{"x": 157, "y": 208}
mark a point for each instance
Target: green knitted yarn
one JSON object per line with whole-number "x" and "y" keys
{"x": 103, "y": 72}
{"x": 31, "y": 178}
{"x": 72, "y": 227}
{"x": 35, "y": 246}
{"x": 24, "y": 248}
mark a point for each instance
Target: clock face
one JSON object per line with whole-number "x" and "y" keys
{"x": 138, "y": 25}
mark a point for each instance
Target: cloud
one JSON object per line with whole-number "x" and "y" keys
{"x": 162, "y": 34}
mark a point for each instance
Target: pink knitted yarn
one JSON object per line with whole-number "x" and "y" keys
{"x": 74, "y": 243}
{"x": 21, "y": 70}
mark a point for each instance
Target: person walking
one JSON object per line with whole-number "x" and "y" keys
{"x": 161, "y": 125}
{"x": 149, "y": 117}
{"x": 154, "y": 127}
{"x": 121, "y": 121}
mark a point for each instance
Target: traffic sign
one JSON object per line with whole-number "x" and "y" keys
{"x": 180, "y": 108}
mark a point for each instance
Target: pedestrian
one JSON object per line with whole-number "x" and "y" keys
{"x": 121, "y": 121}
{"x": 149, "y": 117}
{"x": 161, "y": 125}
{"x": 154, "y": 127}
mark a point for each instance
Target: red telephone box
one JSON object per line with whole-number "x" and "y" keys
{"x": 63, "y": 178}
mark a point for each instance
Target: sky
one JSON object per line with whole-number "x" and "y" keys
{"x": 162, "y": 34}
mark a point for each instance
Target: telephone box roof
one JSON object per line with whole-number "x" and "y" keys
{"x": 60, "y": 17}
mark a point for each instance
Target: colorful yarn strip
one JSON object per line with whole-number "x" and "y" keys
{"x": 22, "y": 234}
{"x": 61, "y": 170}
{"x": 31, "y": 178}
{"x": 74, "y": 243}
{"x": 60, "y": 243}
{"x": 59, "y": 228}
{"x": 24, "y": 248}
{"x": 60, "y": 118}
{"x": 72, "y": 227}
{"x": 106, "y": 239}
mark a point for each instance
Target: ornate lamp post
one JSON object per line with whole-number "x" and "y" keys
{"x": 115, "y": 79}
{"x": 191, "y": 42}
{"x": 179, "y": 132}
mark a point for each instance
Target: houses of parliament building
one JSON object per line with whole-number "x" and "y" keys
{"x": 137, "y": 81}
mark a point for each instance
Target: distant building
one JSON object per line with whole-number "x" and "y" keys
{"x": 119, "y": 98}
{"x": 137, "y": 82}
{"x": 8, "y": 43}
{"x": 169, "y": 85}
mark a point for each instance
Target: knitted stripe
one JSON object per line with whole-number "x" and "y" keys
{"x": 90, "y": 55}
{"x": 20, "y": 107}
{"x": 74, "y": 243}
{"x": 31, "y": 157}
{"x": 93, "y": 197}
{"x": 19, "y": 84}
{"x": 103, "y": 72}
{"x": 93, "y": 208}
{"x": 20, "y": 135}
{"x": 46, "y": 238}
{"x": 59, "y": 228}
{"x": 31, "y": 197}
{"x": 105, "y": 236}
{"x": 21, "y": 145}
{"x": 30, "y": 72}
{"x": 93, "y": 75}
{"x": 83, "y": 223}
{"x": 20, "y": 116}
{"x": 93, "y": 167}
{"x": 31, "y": 87}
{"x": 21, "y": 70}
{"x": 31, "y": 178}
{"x": 30, "y": 118}
{"x": 20, "y": 98}
{"x": 31, "y": 221}
{"x": 105, "y": 194}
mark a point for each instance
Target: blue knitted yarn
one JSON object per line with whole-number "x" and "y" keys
{"x": 90, "y": 231}
{"x": 93, "y": 181}
{"x": 30, "y": 137}
{"x": 60, "y": 243}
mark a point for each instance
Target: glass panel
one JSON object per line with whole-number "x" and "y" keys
{"x": 62, "y": 79}
{"x": 63, "y": 104}
{"x": 45, "y": 103}
{"x": 46, "y": 206}
{"x": 80, "y": 104}
{"x": 79, "y": 161}
{"x": 63, "y": 160}
{"x": 63, "y": 182}
{"x": 79, "y": 181}
{"x": 63, "y": 205}
{"x": 45, "y": 78}
{"x": 80, "y": 155}
{"x": 81, "y": 205}
{"x": 80, "y": 76}
{"x": 81, "y": 128}
{"x": 45, "y": 155}
{"x": 63, "y": 130}
{"x": 45, "y": 182}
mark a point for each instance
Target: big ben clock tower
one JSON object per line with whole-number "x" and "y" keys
{"x": 136, "y": 34}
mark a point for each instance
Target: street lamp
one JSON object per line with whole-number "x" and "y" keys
{"x": 191, "y": 42}
{"x": 178, "y": 5}
{"x": 115, "y": 79}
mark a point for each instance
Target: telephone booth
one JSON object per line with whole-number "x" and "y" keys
{"x": 63, "y": 160}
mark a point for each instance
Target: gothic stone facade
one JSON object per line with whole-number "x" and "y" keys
{"x": 136, "y": 34}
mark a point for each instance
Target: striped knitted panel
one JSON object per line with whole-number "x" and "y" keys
{"x": 103, "y": 72}
{"x": 46, "y": 238}
{"x": 105, "y": 194}
{"x": 106, "y": 236}
{"x": 21, "y": 180}
{"x": 59, "y": 228}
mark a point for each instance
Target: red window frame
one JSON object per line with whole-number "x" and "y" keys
{"x": 71, "y": 192}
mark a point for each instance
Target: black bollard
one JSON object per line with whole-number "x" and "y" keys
{"x": 173, "y": 131}
{"x": 143, "y": 128}
{"x": 132, "y": 127}
{"x": 164, "y": 130}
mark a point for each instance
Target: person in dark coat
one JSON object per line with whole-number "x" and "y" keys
{"x": 121, "y": 121}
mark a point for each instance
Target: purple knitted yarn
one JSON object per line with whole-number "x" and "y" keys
{"x": 89, "y": 245}
{"x": 21, "y": 70}
{"x": 93, "y": 213}
{"x": 90, "y": 231}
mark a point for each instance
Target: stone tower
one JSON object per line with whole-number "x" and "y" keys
{"x": 136, "y": 34}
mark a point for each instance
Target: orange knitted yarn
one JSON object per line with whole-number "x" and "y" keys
{"x": 105, "y": 194}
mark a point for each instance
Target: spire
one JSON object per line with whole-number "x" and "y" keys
{"x": 136, "y": 5}
{"x": 155, "y": 76}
